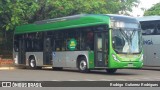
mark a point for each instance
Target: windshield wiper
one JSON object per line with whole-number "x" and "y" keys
{"x": 128, "y": 36}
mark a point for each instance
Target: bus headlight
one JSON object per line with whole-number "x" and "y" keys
{"x": 115, "y": 58}
{"x": 141, "y": 57}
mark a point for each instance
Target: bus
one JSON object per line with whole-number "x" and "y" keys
{"x": 151, "y": 33}
{"x": 85, "y": 42}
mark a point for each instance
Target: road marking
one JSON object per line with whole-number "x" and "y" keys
{"x": 157, "y": 78}
{"x": 147, "y": 78}
{"x": 121, "y": 79}
{"x": 73, "y": 80}
{"x": 89, "y": 80}
{"x": 136, "y": 79}
{"x": 105, "y": 80}
{"x": 55, "y": 80}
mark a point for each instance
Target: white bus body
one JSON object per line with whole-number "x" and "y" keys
{"x": 151, "y": 39}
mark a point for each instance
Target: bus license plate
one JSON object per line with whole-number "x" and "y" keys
{"x": 130, "y": 65}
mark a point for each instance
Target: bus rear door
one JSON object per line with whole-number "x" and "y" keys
{"x": 21, "y": 53}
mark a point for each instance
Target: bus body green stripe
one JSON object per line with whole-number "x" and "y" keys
{"x": 91, "y": 59}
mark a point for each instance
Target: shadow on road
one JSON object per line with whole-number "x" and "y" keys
{"x": 99, "y": 72}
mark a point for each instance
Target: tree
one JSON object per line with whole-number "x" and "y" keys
{"x": 59, "y": 8}
{"x": 127, "y": 5}
{"x": 155, "y": 10}
{"x": 15, "y": 12}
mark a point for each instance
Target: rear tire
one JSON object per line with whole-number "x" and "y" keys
{"x": 111, "y": 71}
{"x": 32, "y": 63}
{"x": 82, "y": 65}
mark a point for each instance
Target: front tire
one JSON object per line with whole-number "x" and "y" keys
{"x": 82, "y": 65}
{"x": 111, "y": 71}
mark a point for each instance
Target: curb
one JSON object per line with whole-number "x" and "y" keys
{"x": 7, "y": 68}
{"x": 151, "y": 68}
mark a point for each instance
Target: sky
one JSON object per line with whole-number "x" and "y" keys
{"x": 137, "y": 12}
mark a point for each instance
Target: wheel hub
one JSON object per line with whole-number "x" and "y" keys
{"x": 32, "y": 63}
{"x": 83, "y": 65}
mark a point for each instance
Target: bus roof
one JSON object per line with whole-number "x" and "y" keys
{"x": 148, "y": 18}
{"x": 74, "y": 21}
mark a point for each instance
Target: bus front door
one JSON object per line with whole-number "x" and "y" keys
{"x": 21, "y": 53}
{"x": 101, "y": 43}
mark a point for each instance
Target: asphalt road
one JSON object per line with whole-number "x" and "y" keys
{"x": 74, "y": 75}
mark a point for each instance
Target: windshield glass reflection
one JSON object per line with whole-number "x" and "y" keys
{"x": 126, "y": 40}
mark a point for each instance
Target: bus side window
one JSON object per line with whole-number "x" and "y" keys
{"x": 63, "y": 45}
{"x": 89, "y": 40}
{"x": 148, "y": 29}
{"x": 16, "y": 46}
{"x": 158, "y": 29}
{"x": 86, "y": 40}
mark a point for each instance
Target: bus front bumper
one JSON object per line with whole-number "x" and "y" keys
{"x": 125, "y": 65}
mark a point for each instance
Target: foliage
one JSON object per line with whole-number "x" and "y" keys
{"x": 155, "y": 10}
{"x": 126, "y": 5}
{"x": 60, "y": 8}
{"x": 17, "y": 12}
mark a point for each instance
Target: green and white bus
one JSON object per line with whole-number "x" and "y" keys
{"x": 84, "y": 41}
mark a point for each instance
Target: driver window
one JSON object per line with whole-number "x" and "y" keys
{"x": 118, "y": 42}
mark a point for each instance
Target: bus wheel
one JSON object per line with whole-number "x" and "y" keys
{"x": 111, "y": 71}
{"x": 32, "y": 63}
{"x": 82, "y": 65}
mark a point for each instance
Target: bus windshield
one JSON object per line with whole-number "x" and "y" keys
{"x": 126, "y": 40}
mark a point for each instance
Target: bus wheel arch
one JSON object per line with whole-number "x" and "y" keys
{"x": 82, "y": 64}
